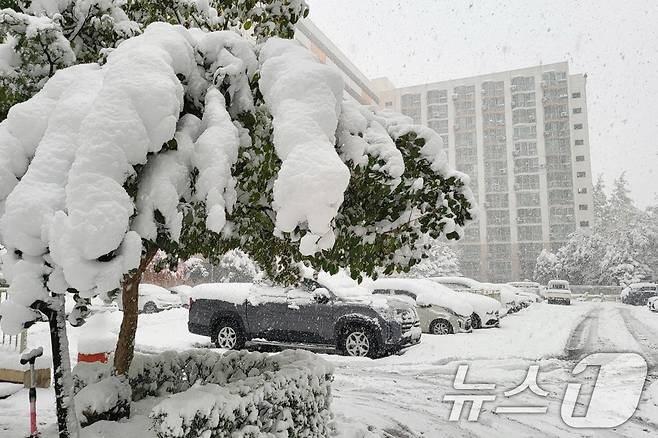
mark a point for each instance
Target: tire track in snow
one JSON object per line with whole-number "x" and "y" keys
{"x": 643, "y": 336}
{"x": 582, "y": 335}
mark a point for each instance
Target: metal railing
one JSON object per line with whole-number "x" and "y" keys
{"x": 12, "y": 342}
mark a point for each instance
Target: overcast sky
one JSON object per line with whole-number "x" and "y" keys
{"x": 614, "y": 42}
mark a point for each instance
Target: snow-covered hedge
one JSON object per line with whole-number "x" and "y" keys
{"x": 239, "y": 391}
{"x": 287, "y": 394}
{"x": 107, "y": 399}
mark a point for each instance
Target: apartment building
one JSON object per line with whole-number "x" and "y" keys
{"x": 522, "y": 136}
{"x": 357, "y": 85}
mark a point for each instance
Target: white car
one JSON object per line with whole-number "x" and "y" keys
{"x": 486, "y": 310}
{"x": 557, "y": 291}
{"x": 441, "y": 311}
{"x": 509, "y": 298}
{"x": 528, "y": 287}
{"x": 652, "y": 304}
{"x": 184, "y": 292}
{"x": 464, "y": 284}
{"x": 154, "y": 298}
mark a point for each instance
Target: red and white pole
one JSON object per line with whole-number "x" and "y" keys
{"x": 30, "y": 358}
{"x": 33, "y": 402}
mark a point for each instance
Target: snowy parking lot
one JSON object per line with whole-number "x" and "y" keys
{"x": 402, "y": 395}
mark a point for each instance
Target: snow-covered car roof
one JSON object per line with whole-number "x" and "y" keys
{"x": 508, "y": 294}
{"x": 642, "y": 285}
{"x": 462, "y": 280}
{"x": 236, "y": 293}
{"x": 152, "y": 289}
{"x": 182, "y": 289}
{"x": 560, "y": 282}
{"x": 523, "y": 284}
{"x": 427, "y": 293}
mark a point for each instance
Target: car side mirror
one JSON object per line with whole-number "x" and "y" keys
{"x": 321, "y": 295}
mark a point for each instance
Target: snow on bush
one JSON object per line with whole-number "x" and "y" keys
{"x": 234, "y": 392}
{"x": 288, "y": 394}
{"x": 107, "y": 399}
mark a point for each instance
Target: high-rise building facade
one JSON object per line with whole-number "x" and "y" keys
{"x": 357, "y": 85}
{"x": 522, "y": 136}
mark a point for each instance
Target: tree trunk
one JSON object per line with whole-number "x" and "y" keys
{"x": 125, "y": 349}
{"x": 67, "y": 422}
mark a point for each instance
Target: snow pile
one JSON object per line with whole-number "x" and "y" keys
{"x": 304, "y": 98}
{"x": 287, "y": 394}
{"x": 107, "y": 399}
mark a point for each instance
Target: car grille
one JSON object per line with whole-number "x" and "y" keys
{"x": 408, "y": 325}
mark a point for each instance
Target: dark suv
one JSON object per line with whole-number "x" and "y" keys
{"x": 309, "y": 316}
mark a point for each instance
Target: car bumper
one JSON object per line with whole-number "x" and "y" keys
{"x": 402, "y": 338}
{"x": 462, "y": 325}
{"x": 492, "y": 321}
{"x": 198, "y": 329}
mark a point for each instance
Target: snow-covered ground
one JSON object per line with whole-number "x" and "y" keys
{"x": 402, "y": 395}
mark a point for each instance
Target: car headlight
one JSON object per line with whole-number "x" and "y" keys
{"x": 405, "y": 315}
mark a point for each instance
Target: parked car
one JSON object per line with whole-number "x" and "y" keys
{"x": 557, "y": 291}
{"x": 154, "y": 299}
{"x": 638, "y": 294}
{"x": 441, "y": 311}
{"x": 486, "y": 310}
{"x": 352, "y": 321}
{"x": 652, "y": 303}
{"x": 463, "y": 284}
{"x": 528, "y": 287}
{"x": 183, "y": 291}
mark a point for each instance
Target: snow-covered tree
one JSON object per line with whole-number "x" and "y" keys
{"x": 196, "y": 142}
{"x": 236, "y": 267}
{"x": 600, "y": 204}
{"x": 197, "y": 270}
{"x": 546, "y": 267}
{"x": 621, "y": 248}
{"x": 439, "y": 260}
{"x": 43, "y": 36}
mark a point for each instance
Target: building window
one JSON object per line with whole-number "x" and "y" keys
{"x": 389, "y": 104}
{"x": 581, "y": 174}
{"x": 582, "y": 207}
{"x": 577, "y": 110}
{"x": 584, "y": 223}
{"x": 580, "y": 157}
{"x": 580, "y": 142}
{"x": 575, "y": 95}
{"x": 582, "y": 191}
{"x": 578, "y": 126}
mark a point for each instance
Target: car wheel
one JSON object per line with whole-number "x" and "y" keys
{"x": 150, "y": 307}
{"x": 440, "y": 327}
{"x": 358, "y": 341}
{"x": 476, "y": 323}
{"x": 228, "y": 335}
